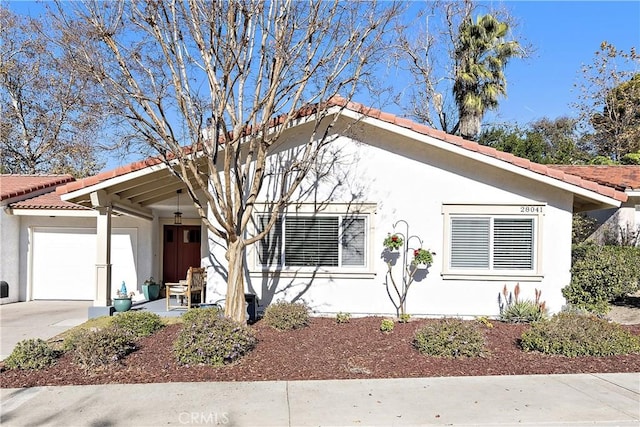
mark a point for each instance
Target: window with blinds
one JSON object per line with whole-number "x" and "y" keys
{"x": 513, "y": 243}
{"x": 314, "y": 241}
{"x": 492, "y": 243}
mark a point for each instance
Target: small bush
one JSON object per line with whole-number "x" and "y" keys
{"x": 387, "y": 325}
{"x": 343, "y": 317}
{"x": 138, "y": 323}
{"x": 101, "y": 347}
{"x": 601, "y": 274}
{"x": 31, "y": 354}
{"x": 525, "y": 311}
{"x": 450, "y": 338}
{"x": 201, "y": 314}
{"x": 484, "y": 320}
{"x": 572, "y": 334}
{"x": 285, "y": 316}
{"x": 404, "y": 318}
{"x": 207, "y": 338}
{"x": 515, "y": 310}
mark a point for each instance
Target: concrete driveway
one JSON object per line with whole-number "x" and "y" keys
{"x": 38, "y": 319}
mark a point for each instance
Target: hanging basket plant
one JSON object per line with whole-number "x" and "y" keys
{"x": 422, "y": 257}
{"x": 393, "y": 242}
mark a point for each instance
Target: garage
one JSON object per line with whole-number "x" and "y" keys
{"x": 63, "y": 262}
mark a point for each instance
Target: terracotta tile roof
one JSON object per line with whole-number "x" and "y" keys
{"x": 620, "y": 177}
{"x": 49, "y": 200}
{"x": 404, "y": 123}
{"x": 35, "y": 191}
{"x": 12, "y": 186}
{"x": 103, "y": 176}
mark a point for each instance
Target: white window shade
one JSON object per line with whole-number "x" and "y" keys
{"x": 314, "y": 241}
{"x": 513, "y": 243}
{"x": 470, "y": 243}
{"x": 353, "y": 241}
{"x": 270, "y": 252}
{"x": 311, "y": 241}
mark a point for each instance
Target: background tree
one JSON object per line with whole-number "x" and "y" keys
{"x": 542, "y": 141}
{"x": 481, "y": 56}
{"x": 617, "y": 127}
{"x": 609, "y": 103}
{"x": 456, "y": 64}
{"x": 50, "y": 116}
{"x": 191, "y": 75}
{"x": 514, "y": 140}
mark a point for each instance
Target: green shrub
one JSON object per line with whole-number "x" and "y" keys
{"x": 102, "y": 346}
{"x": 484, "y": 321}
{"x": 515, "y": 310}
{"x": 387, "y": 325}
{"x": 404, "y": 318}
{"x": 139, "y": 323}
{"x": 525, "y": 311}
{"x": 285, "y": 316}
{"x": 200, "y": 314}
{"x": 31, "y": 354}
{"x": 450, "y": 337}
{"x": 343, "y": 317}
{"x": 210, "y": 339}
{"x": 600, "y": 274}
{"x": 573, "y": 334}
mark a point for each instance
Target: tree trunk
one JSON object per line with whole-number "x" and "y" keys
{"x": 235, "y": 306}
{"x": 469, "y": 125}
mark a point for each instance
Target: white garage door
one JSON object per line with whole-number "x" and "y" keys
{"x": 64, "y": 262}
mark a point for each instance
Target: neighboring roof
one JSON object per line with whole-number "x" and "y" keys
{"x": 35, "y": 192}
{"x": 15, "y": 186}
{"x": 367, "y": 112}
{"x": 620, "y": 177}
{"x": 49, "y": 200}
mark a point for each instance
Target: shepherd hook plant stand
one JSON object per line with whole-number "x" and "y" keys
{"x": 398, "y": 291}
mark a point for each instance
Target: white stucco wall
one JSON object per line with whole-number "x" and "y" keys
{"x": 621, "y": 224}
{"x": 9, "y": 255}
{"x": 406, "y": 180}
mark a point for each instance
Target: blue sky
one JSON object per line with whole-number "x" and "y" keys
{"x": 564, "y": 34}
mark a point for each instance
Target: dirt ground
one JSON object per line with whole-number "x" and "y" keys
{"x": 627, "y": 310}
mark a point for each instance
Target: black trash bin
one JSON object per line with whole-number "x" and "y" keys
{"x": 4, "y": 289}
{"x": 252, "y": 307}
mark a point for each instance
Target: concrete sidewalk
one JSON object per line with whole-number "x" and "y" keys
{"x": 38, "y": 319}
{"x": 551, "y": 400}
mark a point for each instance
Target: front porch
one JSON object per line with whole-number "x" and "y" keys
{"x": 159, "y": 307}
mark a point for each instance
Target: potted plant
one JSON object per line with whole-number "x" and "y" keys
{"x": 122, "y": 300}
{"x": 393, "y": 242}
{"x": 151, "y": 289}
{"x": 422, "y": 258}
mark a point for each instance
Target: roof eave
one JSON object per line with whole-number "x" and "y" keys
{"x": 77, "y": 213}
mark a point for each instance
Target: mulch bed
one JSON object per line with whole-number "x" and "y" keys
{"x": 325, "y": 350}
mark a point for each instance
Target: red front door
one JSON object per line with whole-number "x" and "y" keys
{"x": 182, "y": 245}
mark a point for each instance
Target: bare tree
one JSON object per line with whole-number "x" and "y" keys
{"x": 610, "y": 100}
{"x": 225, "y": 80}
{"x": 50, "y": 113}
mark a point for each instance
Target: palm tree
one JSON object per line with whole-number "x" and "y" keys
{"x": 480, "y": 56}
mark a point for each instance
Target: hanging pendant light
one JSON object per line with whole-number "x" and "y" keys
{"x": 177, "y": 215}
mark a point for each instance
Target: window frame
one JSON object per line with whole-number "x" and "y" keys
{"x": 533, "y": 211}
{"x": 332, "y": 210}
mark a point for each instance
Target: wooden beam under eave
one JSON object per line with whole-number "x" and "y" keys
{"x": 163, "y": 184}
